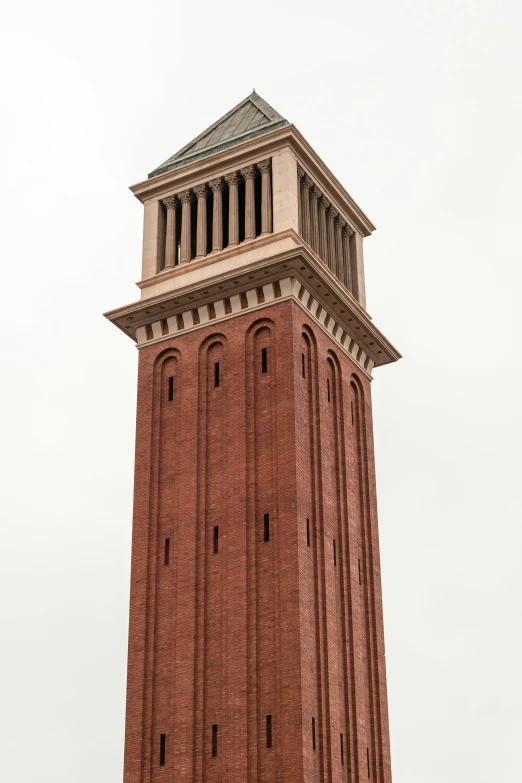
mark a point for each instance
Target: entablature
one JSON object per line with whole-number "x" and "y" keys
{"x": 316, "y": 290}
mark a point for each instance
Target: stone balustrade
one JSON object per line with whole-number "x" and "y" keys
{"x": 221, "y": 213}
{"x": 326, "y": 231}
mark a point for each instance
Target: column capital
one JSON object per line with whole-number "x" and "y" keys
{"x": 217, "y": 184}
{"x": 315, "y": 192}
{"x": 324, "y": 203}
{"x": 250, "y": 172}
{"x": 171, "y": 202}
{"x": 332, "y": 212}
{"x": 339, "y": 221}
{"x": 306, "y": 182}
{"x": 232, "y": 178}
{"x": 187, "y": 197}
{"x": 201, "y": 191}
{"x": 265, "y": 167}
{"x": 347, "y": 230}
{"x": 300, "y": 172}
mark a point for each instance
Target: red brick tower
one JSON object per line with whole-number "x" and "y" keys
{"x": 256, "y": 649}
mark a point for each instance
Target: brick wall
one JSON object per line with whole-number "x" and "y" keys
{"x": 258, "y": 627}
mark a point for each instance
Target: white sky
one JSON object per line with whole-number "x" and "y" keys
{"x": 416, "y": 107}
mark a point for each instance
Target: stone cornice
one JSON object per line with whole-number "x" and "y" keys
{"x": 248, "y": 153}
{"x": 300, "y": 263}
{"x": 281, "y": 290}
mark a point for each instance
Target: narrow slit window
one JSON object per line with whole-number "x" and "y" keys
{"x": 167, "y": 551}
{"x": 303, "y": 364}
{"x": 352, "y": 410}
{"x": 313, "y": 733}
{"x": 368, "y": 760}
{"x": 264, "y": 360}
{"x": 328, "y": 388}
{"x": 216, "y": 539}
{"x": 342, "y": 749}
{"x": 171, "y": 388}
{"x": 266, "y": 527}
{"x": 359, "y": 564}
{"x": 335, "y": 553}
{"x": 269, "y": 731}
{"x": 216, "y": 374}
{"x": 162, "y": 750}
{"x": 214, "y": 739}
{"x": 307, "y": 532}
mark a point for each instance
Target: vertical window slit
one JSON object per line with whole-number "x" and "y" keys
{"x": 269, "y": 731}
{"x": 359, "y": 564}
{"x": 328, "y": 388}
{"x": 335, "y": 553}
{"x": 352, "y": 410}
{"x": 342, "y": 749}
{"x": 167, "y": 551}
{"x": 266, "y": 527}
{"x": 216, "y": 374}
{"x": 214, "y": 739}
{"x": 162, "y": 750}
{"x": 307, "y": 532}
{"x": 216, "y": 539}
{"x": 368, "y": 760}
{"x": 313, "y": 733}
{"x": 303, "y": 364}
{"x": 171, "y": 388}
{"x": 264, "y": 360}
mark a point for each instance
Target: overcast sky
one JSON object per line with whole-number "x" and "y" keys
{"x": 416, "y": 107}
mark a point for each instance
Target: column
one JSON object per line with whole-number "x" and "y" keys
{"x": 315, "y": 195}
{"x": 201, "y": 192}
{"x": 186, "y": 199}
{"x": 306, "y": 184}
{"x": 265, "y": 168}
{"x": 232, "y": 181}
{"x": 347, "y": 232}
{"x": 331, "y": 214}
{"x": 323, "y": 236}
{"x": 339, "y": 247}
{"x": 249, "y": 175}
{"x": 171, "y": 204}
{"x": 217, "y": 186}
{"x": 300, "y": 176}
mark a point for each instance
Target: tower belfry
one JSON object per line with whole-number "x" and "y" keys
{"x": 256, "y": 647}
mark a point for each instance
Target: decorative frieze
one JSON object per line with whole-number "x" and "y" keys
{"x": 255, "y": 298}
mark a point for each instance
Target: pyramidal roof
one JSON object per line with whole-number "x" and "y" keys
{"x": 250, "y": 118}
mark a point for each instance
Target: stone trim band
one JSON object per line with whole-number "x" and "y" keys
{"x": 254, "y": 298}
